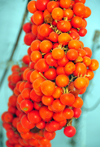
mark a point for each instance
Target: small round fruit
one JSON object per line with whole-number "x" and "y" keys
{"x": 62, "y": 80}
{"x": 57, "y": 13}
{"x": 58, "y": 53}
{"x": 70, "y": 131}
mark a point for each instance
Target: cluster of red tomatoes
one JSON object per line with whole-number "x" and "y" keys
{"x": 56, "y": 70}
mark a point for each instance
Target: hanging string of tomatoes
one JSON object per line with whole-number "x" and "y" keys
{"x": 55, "y": 71}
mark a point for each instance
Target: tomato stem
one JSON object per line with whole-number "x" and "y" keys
{"x": 42, "y": 75}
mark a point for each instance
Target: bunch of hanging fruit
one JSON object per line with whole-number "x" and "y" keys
{"x": 55, "y": 72}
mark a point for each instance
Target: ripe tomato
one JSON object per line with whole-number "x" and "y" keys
{"x": 35, "y": 56}
{"x": 38, "y": 17}
{"x": 79, "y": 9}
{"x": 33, "y": 142}
{"x": 46, "y": 46}
{"x": 51, "y": 5}
{"x": 29, "y": 38}
{"x": 78, "y": 103}
{"x": 74, "y": 35}
{"x": 10, "y": 133}
{"x": 37, "y": 84}
{"x": 50, "y": 60}
{"x": 88, "y": 51}
{"x": 21, "y": 129}
{"x": 60, "y": 70}
{"x": 41, "y": 4}
{"x": 47, "y": 87}
{"x": 89, "y": 74}
{"x": 62, "y": 80}
{"x": 53, "y": 37}
{"x": 34, "y": 29}
{"x": 63, "y": 123}
{"x": 65, "y": 3}
{"x": 27, "y": 135}
{"x": 74, "y": 44}
{"x": 82, "y": 32}
{"x": 26, "y": 59}
{"x": 26, "y": 93}
{"x": 46, "y": 13}
{"x": 34, "y": 97}
{"x": 7, "y": 126}
{"x": 26, "y": 105}
{"x": 34, "y": 75}
{"x": 35, "y": 45}
{"x": 49, "y": 135}
{"x": 26, "y": 123}
{"x": 52, "y": 126}
{"x": 83, "y": 90}
{"x": 58, "y": 53}
{"x": 57, "y": 106}
{"x": 68, "y": 13}
{"x": 67, "y": 99}
{"x": 64, "y": 26}
{"x": 57, "y": 13}
{"x": 24, "y": 76}
{"x": 41, "y": 125}
{"x": 32, "y": 6}
{"x": 27, "y": 27}
{"x": 41, "y": 65}
{"x": 81, "y": 53}
{"x": 87, "y": 12}
{"x": 45, "y": 113}
{"x": 34, "y": 117}
{"x": 86, "y": 61}
{"x": 59, "y": 116}
{"x": 69, "y": 131}
{"x": 80, "y": 83}
{"x": 77, "y": 112}
{"x": 69, "y": 68}
{"x": 63, "y": 61}
{"x": 44, "y": 30}
{"x": 45, "y": 142}
{"x": 37, "y": 105}
{"x": 68, "y": 113}
{"x": 57, "y": 93}
{"x": 40, "y": 37}
{"x": 13, "y": 100}
{"x": 94, "y": 65}
{"x": 76, "y": 22}
{"x": 82, "y": 1}
{"x": 80, "y": 69}
{"x": 72, "y": 54}
{"x": 47, "y": 100}
{"x": 50, "y": 74}
{"x": 64, "y": 38}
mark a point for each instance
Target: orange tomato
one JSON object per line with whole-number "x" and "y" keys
{"x": 69, "y": 68}
{"x": 62, "y": 80}
{"x": 65, "y": 3}
{"x": 78, "y": 103}
{"x": 57, "y": 13}
{"x": 45, "y": 113}
{"x": 80, "y": 83}
{"x": 94, "y": 65}
{"x": 47, "y": 87}
{"x": 58, "y": 53}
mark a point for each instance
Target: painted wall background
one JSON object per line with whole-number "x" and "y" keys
{"x": 88, "y": 126}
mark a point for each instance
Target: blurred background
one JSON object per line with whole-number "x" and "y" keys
{"x": 13, "y": 14}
